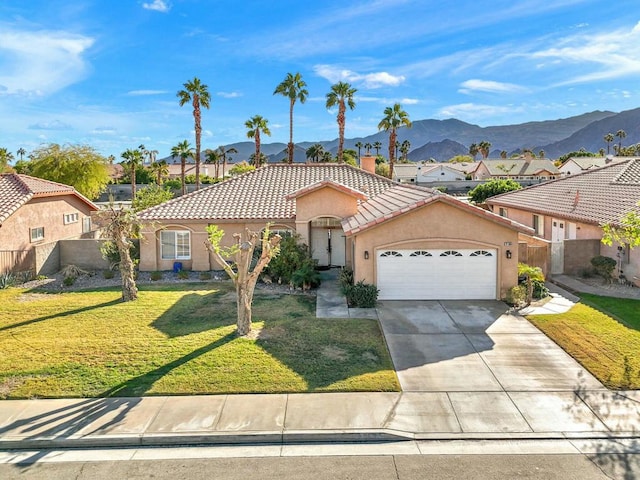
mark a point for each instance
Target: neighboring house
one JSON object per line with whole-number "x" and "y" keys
{"x": 439, "y": 172}
{"x": 580, "y": 164}
{"x": 569, "y": 213}
{"x": 208, "y": 169}
{"x": 517, "y": 169}
{"x": 34, "y": 215}
{"x": 428, "y": 172}
{"x": 412, "y": 242}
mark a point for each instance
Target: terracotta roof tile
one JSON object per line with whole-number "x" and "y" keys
{"x": 520, "y": 167}
{"x": 16, "y": 190}
{"x": 596, "y": 196}
{"x": 262, "y": 194}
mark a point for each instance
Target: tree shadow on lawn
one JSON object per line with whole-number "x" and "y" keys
{"x": 322, "y": 352}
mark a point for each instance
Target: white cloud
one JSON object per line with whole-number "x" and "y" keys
{"x": 136, "y": 93}
{"x": 52, "y": 125}
{"x": 475, "y": 85}
{"x": 387, "y": 101}
{"x": 104, "y": 131}
{"x": 157, "y": 5}
{"x": 473, "y": 111}
{"x": 611, "y": 54}
{"x": 41, "y": 62}
{"x": 229, "y": 94}
{"x": 368, "y": 80}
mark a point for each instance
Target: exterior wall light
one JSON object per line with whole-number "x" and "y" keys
{"x": 366, "y": 254}
{"x": 508, "y": 252}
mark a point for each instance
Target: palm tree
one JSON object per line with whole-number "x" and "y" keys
{"x": 359, "y": 145}
{"x": 160, "y": 170}
{"x": 153, "y": 154}
{"x": 5, "y": 157}
{"x": 223, "y": 155}
{"x": 404, "y": 149}
{"x": 315, "y": 152}
{"x": 198, "y": 94}
{"x": 184, "y": 151}
{"x": 368, "y": 147}
{"x": 394, "y": 117}
{"x": 292, "y": 87}
{"x": 609, "y": 138}
{"x": 212, "y": 157}
{"x": 484, "y": 148}
{"x": 377, "y": 146}
{"x": 474, "y": 150}
{"x": 133, "y": 158}
{"x": 21, "y": 152}
{"x": 620, "y": 134}
{"x": 341, "y": 94}
{"x": 327, "y": 157}
{"x": 503, "y": 154}
{"x": 257, "y": 124}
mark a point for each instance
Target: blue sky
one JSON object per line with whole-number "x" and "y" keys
{"x": 106, "y": 73}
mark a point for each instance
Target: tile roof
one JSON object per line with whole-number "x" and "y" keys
{"x": 519, "y": 166}
{"x": 327, "y": 183}
{"x": 401, "y": 199}
{"x": 596, "y": 196}
{"x": 261, "y": 194}
{"x": 16, "y": 190}
{"x": 586, "y": 163}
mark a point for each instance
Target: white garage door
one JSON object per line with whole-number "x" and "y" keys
{"x": 437, "y": 274}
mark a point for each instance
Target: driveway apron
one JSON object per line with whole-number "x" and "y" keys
{"x": 475, "y": 346}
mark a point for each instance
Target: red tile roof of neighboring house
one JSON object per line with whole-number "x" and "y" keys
{"x": 403, "y": 198}
{"x": 16, "y": 190}
{"x": 262, "y": 194}
{"x": 597, "y": 196}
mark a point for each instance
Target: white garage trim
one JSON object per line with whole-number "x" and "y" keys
{"x": 437, "y": 274}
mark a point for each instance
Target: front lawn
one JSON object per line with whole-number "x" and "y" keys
{"x": 609, "y": 349}
{"x": 180, "y": 339}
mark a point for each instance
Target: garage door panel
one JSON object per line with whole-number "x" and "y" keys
{"x": 437, "y": 274}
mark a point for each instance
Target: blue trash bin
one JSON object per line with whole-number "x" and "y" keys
{"x": 177, "y": 266}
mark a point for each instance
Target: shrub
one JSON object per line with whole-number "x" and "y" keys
{"x": 73, "y": 271}
{"x": 109, "y": 252}
{"x": 293, "y": 256}
{"x": 306, "y": 276}
{"x": 7, "y": 280}
{"x": 540, "y": 290}
{"x": 108, "y": 274}
{"x": 362, "y": 295}
{"x": 604, "y": 266}
{"x": 155, "y": 276}
{"x": 345, "y": 279}
{"x": 68, "y": 281}
{"x": 205, "y": 275}
{"x": 517, "y": 296}
{"x": 183, "y": 274}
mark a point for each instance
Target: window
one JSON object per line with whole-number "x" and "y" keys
{"x": 391, "y": 253}
{"x": 421, "y": 253}
{"x": 538, "y": 224}
{"x": 37, "y": 234}
{"x": 86, "y": 224}
{"x": 70, "y": 218}
{"x": 450, "y": 253}
{"x": 481, "y": 253}
{"x": 503, "y": 212}
{"x": 175, "y": 245}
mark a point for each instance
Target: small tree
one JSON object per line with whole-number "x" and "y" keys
{"x": 120, "y": 227}
{"x": 627, "y": 231}
{"x": 244, "y": 278}
{"x": 491, "y": 188}
{"x": 151, "y": 196}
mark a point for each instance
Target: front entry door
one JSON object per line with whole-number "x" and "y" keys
{"x": 557, "y": 230}
{"x": 328, "y": 246}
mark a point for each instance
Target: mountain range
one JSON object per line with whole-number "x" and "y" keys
{"x": 443, "y": 139}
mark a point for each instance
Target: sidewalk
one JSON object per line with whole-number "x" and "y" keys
{"x": 570, "y": 413}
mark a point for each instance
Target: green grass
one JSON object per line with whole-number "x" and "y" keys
{"x": 180, "y": 339}
{"x": 608, "y": 348}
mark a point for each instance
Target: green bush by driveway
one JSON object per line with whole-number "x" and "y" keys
{"x": 180, "y": 339}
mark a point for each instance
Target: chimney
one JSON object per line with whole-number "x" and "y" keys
{"x": 527, "y": 156}
{"x": 368, "y": 163}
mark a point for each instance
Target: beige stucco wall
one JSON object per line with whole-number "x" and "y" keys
{"x": 201, "y": 259}
{"x": 47, "y": 212}
{"x": 323, "y": 202}
{"x": 439, "y": 225}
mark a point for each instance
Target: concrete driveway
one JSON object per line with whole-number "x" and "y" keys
{"x": 474, "y": 346}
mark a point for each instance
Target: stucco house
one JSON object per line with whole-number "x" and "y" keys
{"x": 575, "y": 165}
{"x": 432, "y": 172}
{"x": 35, "y": 214}
{"x": 517, "y": 169}
{"x": 412, "y": 242}
{"x": 569, "y": 212}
